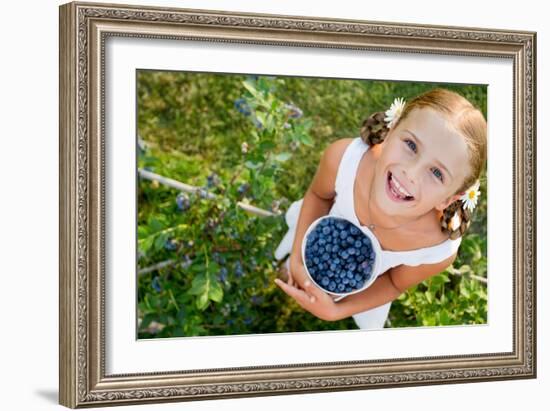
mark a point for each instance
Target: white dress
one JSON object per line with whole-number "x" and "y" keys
{"x": 344, "y": 207}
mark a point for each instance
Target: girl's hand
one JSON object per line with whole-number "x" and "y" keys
{"x": 297, "y": 275}
{"x": 312, "y": 299}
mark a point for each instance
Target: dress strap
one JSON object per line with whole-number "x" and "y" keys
{"x": 348, "y": 165}
{"x": 345, "y": 177}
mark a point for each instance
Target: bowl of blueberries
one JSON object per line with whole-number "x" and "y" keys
{"x": 339, "y": 257}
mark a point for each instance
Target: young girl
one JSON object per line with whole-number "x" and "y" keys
{"x": 412, "y": 179}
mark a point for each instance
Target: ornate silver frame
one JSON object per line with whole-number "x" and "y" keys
{"x": 83, "y": 30}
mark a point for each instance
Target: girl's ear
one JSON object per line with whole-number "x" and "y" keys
{"x": 444, "y": 204}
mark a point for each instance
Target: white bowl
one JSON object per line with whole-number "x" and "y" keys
{"x": 374, "y": 244}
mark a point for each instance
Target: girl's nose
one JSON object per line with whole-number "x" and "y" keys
{"x": 411, "y": 175}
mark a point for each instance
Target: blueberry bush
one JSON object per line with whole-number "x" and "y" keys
{"x": 205, "y": 265}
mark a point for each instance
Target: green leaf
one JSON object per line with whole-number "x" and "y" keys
{"x": 159, "y": 242}
{"x": 147, "y": 243}
{"x": 429, "y": 296}
{"x": 251, "y": 89}
{"x": 444, "y": 317}
{"x": 142, "y": 232}
{"x": 251, "y": 165}
{"x": 213, "y": 267}
{"x": 267, "y": 145}
{"x": 215, "y": 293}
{"x": 281, "y": 157}
{"x": 155, "y": 224}
{"x": 199, "y": 285}
{"x": 198, "y": 268}
{"x": 203, "y": 302}
{"x": 306, "y": 139}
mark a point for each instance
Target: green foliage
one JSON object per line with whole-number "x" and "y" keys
{"x": 258, "y": 140}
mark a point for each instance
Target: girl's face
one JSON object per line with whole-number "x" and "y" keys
{"x": 423, "y": 162}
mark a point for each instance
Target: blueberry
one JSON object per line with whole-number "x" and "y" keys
{"x": 352, "y": 282}
{"x": 186, "y": 262}
{"x": 213, "y": 180}
{"x": 341, "y": 287}
{"x": 156, "y": 285}
{"x": 343, "y": 234}
{"x": 243, "y": 188}
{"x": 325, "y": 281}
{"x": 326, "y": 230}
{"x": 239, "y": 269}
{"x": 242, "y": 106}
{"x": 170, "y": 245}
{"x": 351, "y": 251}
{"x": 182, "y": 201}
{"x": 350, "y": 240}
{"x": 354, "y": 230}
{"x": 293, "y": 111}
{"x": 222, "y": 276}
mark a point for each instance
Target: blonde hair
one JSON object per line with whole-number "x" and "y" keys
{"x": 466, "y": 119}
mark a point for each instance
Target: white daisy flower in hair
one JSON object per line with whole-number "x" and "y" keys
{"x": 393, "y": 114}
{"x": 469, "y": 198}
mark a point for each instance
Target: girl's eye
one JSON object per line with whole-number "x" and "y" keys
{"x": 438, "y": 174}
{"x": 412, "y": 145}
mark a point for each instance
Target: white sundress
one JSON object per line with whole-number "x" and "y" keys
{"x": 344, "y": 207}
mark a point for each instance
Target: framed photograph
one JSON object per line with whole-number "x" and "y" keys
{"x": 189, "y": 141}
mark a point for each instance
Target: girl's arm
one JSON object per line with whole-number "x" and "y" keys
{"x": 319, "y": 303}
{"x": 317, "y": 202}
{"x": 387, "y": 287}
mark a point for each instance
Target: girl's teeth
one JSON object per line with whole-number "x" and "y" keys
{"x": 399, "y": 188}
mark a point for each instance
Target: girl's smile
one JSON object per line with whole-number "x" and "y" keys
{"x": 396, "y": 190}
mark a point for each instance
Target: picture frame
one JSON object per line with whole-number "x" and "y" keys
{"x": 84, "y": 282}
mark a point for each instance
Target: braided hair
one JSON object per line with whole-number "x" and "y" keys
{"x": 468, "y": 120}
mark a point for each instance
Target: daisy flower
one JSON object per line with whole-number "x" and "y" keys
{"x": 393, "y": 114}
{"x": 469, "y": 198}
